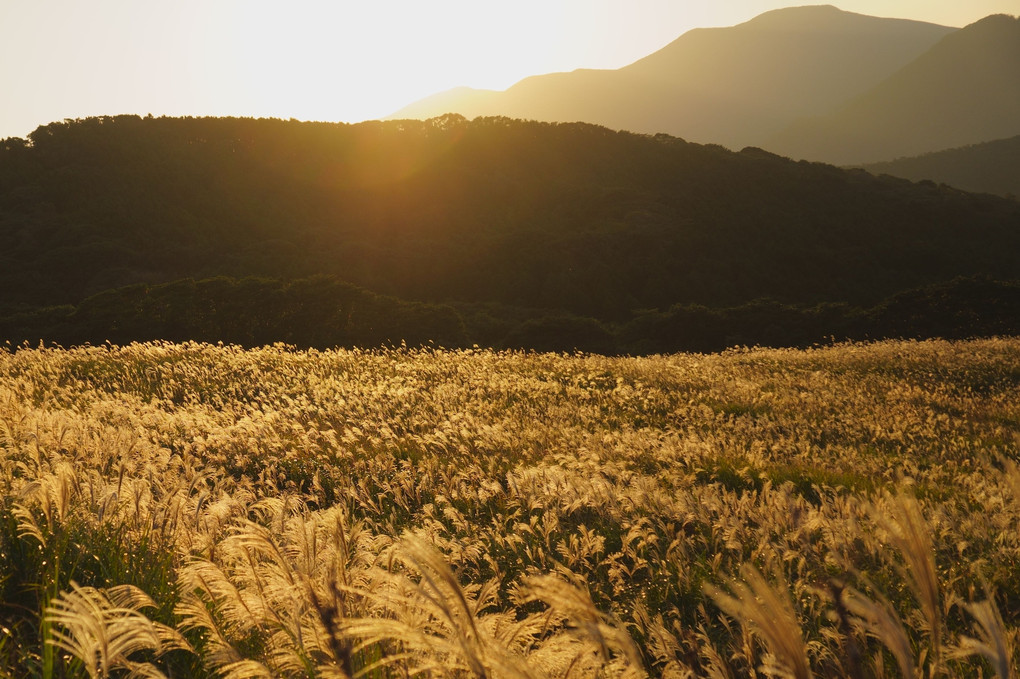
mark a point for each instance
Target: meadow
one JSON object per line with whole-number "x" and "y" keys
{"x": 201, "y": 510}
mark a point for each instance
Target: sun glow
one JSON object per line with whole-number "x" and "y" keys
{"x": 312, "y": 59}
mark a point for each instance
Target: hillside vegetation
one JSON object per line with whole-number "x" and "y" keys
{"x": 325, "y": 312}
{"x": 508, "y": 221}
{"x": 992, "y": 167}
{"x": 195, "y": 510}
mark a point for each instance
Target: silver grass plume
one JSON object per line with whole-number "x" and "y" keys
{"x": 769, "y": 613}
{"x": 879, "y": 619}
{"x": 992, "y": 640}
{"x": 901, "y": 518}
{"x": 435, "y": 624}
{"x": 585, "y": 624}
{"x": 103, "y": 627}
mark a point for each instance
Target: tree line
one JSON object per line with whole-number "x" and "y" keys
{"x": 323, "y": 312}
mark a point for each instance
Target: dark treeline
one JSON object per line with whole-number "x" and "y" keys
{"x": 324, "y": 312}
{"x": 494, "y": 230}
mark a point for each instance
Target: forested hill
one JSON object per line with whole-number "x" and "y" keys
{"x": 991, "y": 167}
{"x": 571, "y": 218}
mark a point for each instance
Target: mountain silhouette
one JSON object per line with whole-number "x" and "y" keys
{"x": 991, "y": 167}
{"x": 964, "y": 90}
{"x": 735, "y": 86}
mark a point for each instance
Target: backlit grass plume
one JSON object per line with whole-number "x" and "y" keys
{"x": 105, "y": 630}
{"x": 769, "y": 614}
{"x": 901, "y": 518}
{"x": 992, "y": 642}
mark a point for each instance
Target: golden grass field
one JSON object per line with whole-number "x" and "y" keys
{"x": 196, "y": 510}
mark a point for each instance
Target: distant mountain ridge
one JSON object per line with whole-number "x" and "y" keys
{"x": 811, "y": 82}
{"x": 735, "y": 86}
{"x": 990, "y": 167}
{"x": 964, "y": 90}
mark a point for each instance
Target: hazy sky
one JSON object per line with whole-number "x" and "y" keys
{"x": 339, "y": 60}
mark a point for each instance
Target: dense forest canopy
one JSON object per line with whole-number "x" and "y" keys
{"x": 567, "y": 218}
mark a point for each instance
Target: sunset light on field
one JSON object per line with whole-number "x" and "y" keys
{"x": 336, "y": 60}
{"x": 522, "y": 339}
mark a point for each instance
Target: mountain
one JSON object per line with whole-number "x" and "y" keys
{"x": 991, "y": 167}
{"x": 964, "y": 90}
{"x": 510, "y": 222}
{"x": 735, "y": 86}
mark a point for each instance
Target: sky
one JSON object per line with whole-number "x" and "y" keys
{"x": 339, "y": 60}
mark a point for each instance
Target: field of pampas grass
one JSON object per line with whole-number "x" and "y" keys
{"x": 195, "y": 510}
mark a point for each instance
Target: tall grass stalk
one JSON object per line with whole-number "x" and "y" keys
{"x": 768, "y": 612}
